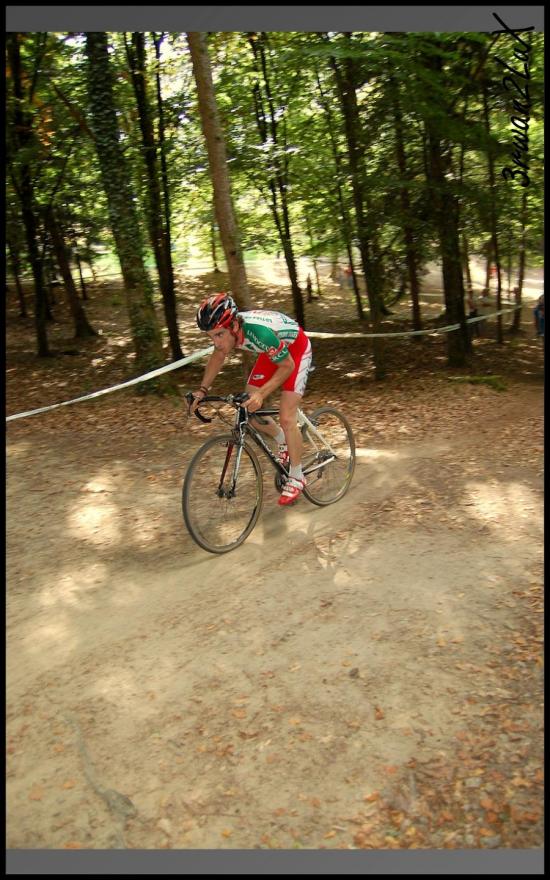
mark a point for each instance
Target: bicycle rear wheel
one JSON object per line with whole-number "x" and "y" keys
{"x": 218, "y": 518}
{"x": 327, "y": 483}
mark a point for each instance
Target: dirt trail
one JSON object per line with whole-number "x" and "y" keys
{"x": 287, "y": 694}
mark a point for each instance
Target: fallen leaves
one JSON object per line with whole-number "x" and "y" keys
{"x": 490, "y": 798}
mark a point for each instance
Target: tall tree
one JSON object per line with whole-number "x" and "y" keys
{"x": 408, "y": 220}
{"x": 493, "y": 209}
{"x": 122, "y": 211}
{"x": 339, "y": 183}
{"x": 23, "y": 148}
{"x": 217, "y": 158}
{"x": 345, "y": 74}
{"x": 444, "y": 201}
{"x": 516, "y": 322}
{"x": 14, "y": 241}
{"x": 82, "y": 327}
{"x": 270, "y": 121}
{"x": 158, "y": 231}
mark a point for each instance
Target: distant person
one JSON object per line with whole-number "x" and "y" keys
{"x": 348, "y": 277}
{"x": 473, "y": 313}
{"x": 538, "y": 314}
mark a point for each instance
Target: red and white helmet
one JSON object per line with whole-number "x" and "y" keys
{"x": 216, "y": 311}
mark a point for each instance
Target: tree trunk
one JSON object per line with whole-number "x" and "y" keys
{"x": 74, "y": 244}
{"x": 217, "y": 158}
{"x": 466, "y": 264}
{"x": 410, "y": 248}
{"x": 268, "y": 125}
{"x": 24, "y": 141}
{"x": 516, "y": 323}
{"x": 50, "y": 283}
{"x": 488, "y": 267}
{"x": 509, "y": 240}
{"x": 81, "y": 276}
{"x": 122, "y": 212}
{"x": 446, "y": 211}
{"x": 317, "y": 282}
{"x": 217, "y": 270}
{"x": 314, "y": 261}
{"x": 82, "y": 327}
{"x": 345, "y": 80}
{"x": 162, "y": 144}
{"x": 15, "y": 264}
{"x": 157, "y": 236}
{"x": 341, "y": 200}
{"x": 493, "y": 212}
{"x": 91, "y": 266}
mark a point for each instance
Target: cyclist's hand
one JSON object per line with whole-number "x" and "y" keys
{"x": 254, "y": 402}
{"x": 197, "y": 397}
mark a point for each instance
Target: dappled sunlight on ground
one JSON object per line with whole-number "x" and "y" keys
{"x": 503, "y": 503}
{"x": 57, "y": 639}
{"x": 20, "y": 449}
{"x": 94, "y": 520}
{"x": 365, "y": 452}
{"x": 75, "y": 588}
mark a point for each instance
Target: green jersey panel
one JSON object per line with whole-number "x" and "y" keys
{"x": 268, "y": 332}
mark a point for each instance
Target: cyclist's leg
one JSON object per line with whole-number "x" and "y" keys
{"x": 265, "y": 424}
{"x": 291, "y": 396}
{"x": 290, "y": 401}
{"x": 262, "y": 370}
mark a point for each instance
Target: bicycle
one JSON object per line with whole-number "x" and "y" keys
{"x": 223, "y": 488}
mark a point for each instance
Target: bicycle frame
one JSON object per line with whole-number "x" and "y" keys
{"x": 243, "y": 427}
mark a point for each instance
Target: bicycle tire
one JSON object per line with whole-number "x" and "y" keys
{"x": 328, "y": 484}
{"x": 205, "y": 514}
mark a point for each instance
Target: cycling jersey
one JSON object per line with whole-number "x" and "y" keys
{"x": 269, "y": 333}
{"x": 273, "y": 336}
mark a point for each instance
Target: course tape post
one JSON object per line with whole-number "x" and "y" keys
{"x": 205, "y": 351}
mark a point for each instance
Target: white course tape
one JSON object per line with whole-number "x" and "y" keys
{"x": 205, "y": 351}
{"x": 144, "y": 378}
{"x": 433, "y": 330}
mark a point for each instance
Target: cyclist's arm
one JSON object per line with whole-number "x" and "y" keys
{"x": 280, "y": 375}
{"x": 213, "y": 366}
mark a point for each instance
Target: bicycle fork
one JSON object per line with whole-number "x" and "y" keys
{"x": 230, "y": 493}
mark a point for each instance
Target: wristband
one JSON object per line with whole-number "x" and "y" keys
{"x": 202, "y": 388}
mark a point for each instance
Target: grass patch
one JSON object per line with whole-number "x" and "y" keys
{"x": 495, "y": 382}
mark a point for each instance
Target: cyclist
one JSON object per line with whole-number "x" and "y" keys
{"x": 284, "y": 361}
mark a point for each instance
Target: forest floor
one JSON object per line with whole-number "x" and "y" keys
{"x": 366, "y": 675}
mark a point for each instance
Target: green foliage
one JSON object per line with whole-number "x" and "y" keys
{"x": 439, "y": 79}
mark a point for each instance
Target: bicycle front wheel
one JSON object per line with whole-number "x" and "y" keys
{"x": 328, "y": 459}
{"x": 222, "y": 497}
